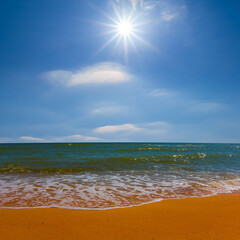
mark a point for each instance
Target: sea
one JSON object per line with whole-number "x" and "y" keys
{"x": 98, "y": 176}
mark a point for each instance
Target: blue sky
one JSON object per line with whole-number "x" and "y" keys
{"x": 176, "y": 81}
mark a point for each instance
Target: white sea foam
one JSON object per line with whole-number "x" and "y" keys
{"x": 111, "y": 190}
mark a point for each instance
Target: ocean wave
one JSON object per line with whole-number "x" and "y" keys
{"x": 98, "y": 191}
{"x": 103, "y": 176}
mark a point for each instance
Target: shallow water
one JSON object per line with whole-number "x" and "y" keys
{"x": 110, "y": 175}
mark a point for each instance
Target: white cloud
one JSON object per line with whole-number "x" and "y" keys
{"x": 118, "y": 128}
{"x": 149, "y": 7}
{"x": 152, "y": 128}
{"x": 164, "y": 93}
{"x": 108, "y": 110}
{"x": 159, "y": 124}
{"x": 76, "y": 138}
{"x": 32, "y": 139}
{"x": 71, "y": 138}
{"x": 102, "y": 73}
{"x": 165, "y": 9}
{"x": 150, "y": 131}
{"x": 152, "y": 4}
{"x": 59, "y": 76}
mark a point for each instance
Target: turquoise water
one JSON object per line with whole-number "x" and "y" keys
{"x": 110, "y": 175}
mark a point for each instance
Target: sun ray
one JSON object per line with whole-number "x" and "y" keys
{"x": 144, "y": 42}
{"x": 138, "y": 24}
{"x": 102, "y": 12}
{"x": 105, "y": 24}
{"x": 129, "y": 19}
{"x": 125, "y": 28}
{"x": 107, "y": 43}
{"x": 118, "y": 42}
{"x": 132, "y": 44}
{"x": 117, "y": 14}
{"x": 125, "y": 48}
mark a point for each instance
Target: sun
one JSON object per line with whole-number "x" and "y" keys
{"x": 126, "y": 31}
{"x": 125, "y": 28}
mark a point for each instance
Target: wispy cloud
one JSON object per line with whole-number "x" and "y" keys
{"x": 162, "y": 93}
{"x": 117, "y": 128}
{"x": 76, "y": 138}
{"x": 139, "y": 132}
{"x": 135, "y": 2}
{"x": 71, "y": 138}
{"x": 32, "y": 139}
{"x": 169, "y": 16}
{"x": 185, "y": 102}
{"x": 166, "y": 10}
{"x": 152, "y": 128}
{"x": 149, "y": 5}
{"x": 108, "y": 110}
{"x": 206, "y": 107}
{"x": 98, "y": 74}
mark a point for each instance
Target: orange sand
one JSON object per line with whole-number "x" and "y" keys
{"x": 210, "y": 218}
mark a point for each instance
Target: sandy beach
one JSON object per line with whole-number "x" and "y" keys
{"x": 211, "y": 218}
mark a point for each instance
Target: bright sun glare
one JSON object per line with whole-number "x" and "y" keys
{"x": 125, "y": 28}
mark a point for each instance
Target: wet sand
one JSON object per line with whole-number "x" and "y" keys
{"x": 210, "y": 218}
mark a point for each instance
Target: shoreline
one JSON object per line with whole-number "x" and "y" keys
{"x": 214, "y": 217}
{"x": 236, "y": 192}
